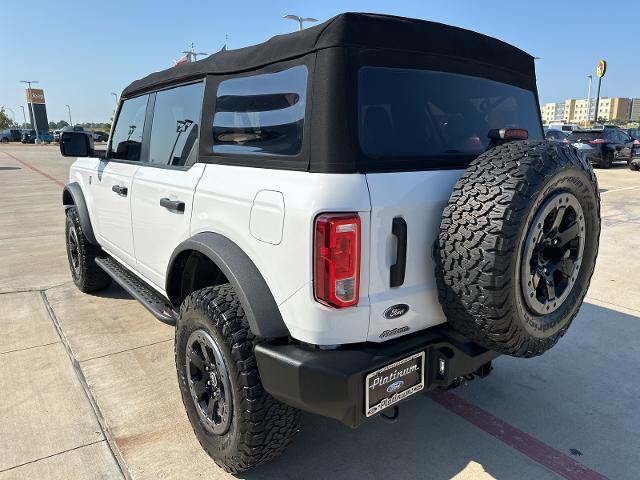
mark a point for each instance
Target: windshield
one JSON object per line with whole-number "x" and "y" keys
{"x": 422, "y": 113}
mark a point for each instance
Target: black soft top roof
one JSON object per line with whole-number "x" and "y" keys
{"x": 364, "y": 30}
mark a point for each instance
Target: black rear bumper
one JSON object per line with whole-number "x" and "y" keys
{"x": 332, "y": 382}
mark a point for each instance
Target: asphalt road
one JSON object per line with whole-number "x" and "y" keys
{"x": 88, "y": 387}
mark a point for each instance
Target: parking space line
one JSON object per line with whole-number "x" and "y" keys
{"x": 539, "y": 452}
{"x": 621, "y": 189}
{"x": 35, "y": 169}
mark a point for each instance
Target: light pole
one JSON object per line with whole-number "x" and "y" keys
{"x": 590, "y": 77}
{"x": 33, "y": 115}
{"x": 69, "y": 109}
{"x": 300, "y": 20}
{"x": 192, "y": 55}
{"x": 24, "y": 115}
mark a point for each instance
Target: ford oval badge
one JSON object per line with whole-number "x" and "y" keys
{"x": 396, "y": 311}
{"x": 395, "y": 386}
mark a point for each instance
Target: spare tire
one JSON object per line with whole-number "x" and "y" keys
{"x": 517, "y": 246}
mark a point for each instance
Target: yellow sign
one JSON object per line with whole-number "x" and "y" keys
{"x": 601, "y": 69}
{"x": 36, "y": 95}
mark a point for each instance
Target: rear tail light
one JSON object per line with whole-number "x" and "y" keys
{"x": 337, "y": 259}
{"x": 508, "y": 134}
{"x": 597, "y": 141}
{"x": 636, "y": 142}
{"x": 565, "y": 140}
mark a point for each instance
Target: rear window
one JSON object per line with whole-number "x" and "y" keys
{"x": 261, "y": 114}
{"x": 586, "y": 136}
{"x": 409, "y": 113}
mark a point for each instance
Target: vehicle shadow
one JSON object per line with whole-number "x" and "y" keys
{"x": 565, "y": 399}
{"x": 114, "y": 291}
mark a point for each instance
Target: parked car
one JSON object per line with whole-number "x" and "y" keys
{"x": 555, "y": 136}
{"x": 28, "y": 136}
{"x": 634, "y": 163}
{"x": 565, "y": 127}
{"x": 393, "y": 239}
{"x": 10, "y": 135}
{"x": 602, "y": 146}
{"x": 100, "y": 136}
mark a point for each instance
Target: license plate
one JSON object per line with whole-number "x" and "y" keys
{"x": 388, "y": 385}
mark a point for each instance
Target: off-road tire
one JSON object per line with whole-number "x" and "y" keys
{"x": 607, "y": 160}
{"x": 481, "y": 242}
{"x": 87, "y": 275}
{"x": 633, "y": 166}
{"x": 261, "y": 427}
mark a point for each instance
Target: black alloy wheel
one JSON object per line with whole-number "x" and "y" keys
{"x": 73, "y": 247}
{"x": 552, "y": 253}
{"x": 209, "y": 383}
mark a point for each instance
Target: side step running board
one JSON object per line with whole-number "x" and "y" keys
{"x": 147, "y": 296}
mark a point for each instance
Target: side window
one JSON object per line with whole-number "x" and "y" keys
{"x": 126, "y": 141}
{"x": 176, "y": 125}
{"x": 261, "y": 114}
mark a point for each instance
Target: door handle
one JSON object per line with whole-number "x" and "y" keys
{"x": 399, "y": 230}
{"x": 172, "y": 204}
{"x": 120, "y": 190}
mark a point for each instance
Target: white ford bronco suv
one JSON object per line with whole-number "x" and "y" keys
{"x": 335, "y": 220}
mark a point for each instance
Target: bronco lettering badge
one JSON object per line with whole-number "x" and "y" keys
{"x": 394, "y": 331}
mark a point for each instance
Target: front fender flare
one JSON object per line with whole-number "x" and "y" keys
{"x": 74, "y": 190}
{"x": 257, "y": 300}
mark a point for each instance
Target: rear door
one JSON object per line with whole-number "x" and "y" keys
{"x": 626, "y": 147}
{"x": 111, "y": 186}
{"x": 164, "y": 186}
{"x": 432, "y": 124}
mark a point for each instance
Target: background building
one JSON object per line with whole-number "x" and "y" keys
{"x": 615, "y": 109}
{"x": 635, "y": 110}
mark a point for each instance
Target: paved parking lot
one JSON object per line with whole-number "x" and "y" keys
{"x": 88, "y": 388}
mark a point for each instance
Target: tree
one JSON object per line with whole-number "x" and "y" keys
{"x": 61, "y": 124}
{"x": 52, "y": 125}
{"x": 5, "y": 121}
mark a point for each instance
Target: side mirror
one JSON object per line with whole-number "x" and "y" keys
{"x": 76, "y": 144}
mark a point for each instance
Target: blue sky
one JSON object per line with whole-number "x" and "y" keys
{"x": 82, "y": 51}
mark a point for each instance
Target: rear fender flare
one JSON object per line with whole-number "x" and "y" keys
{"x": 263, "y": 314}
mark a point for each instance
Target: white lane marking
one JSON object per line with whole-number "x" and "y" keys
{"x": 620, "y": 189}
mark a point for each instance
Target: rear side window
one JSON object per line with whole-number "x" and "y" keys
{"x": 585, "y": 136}
{"x": 410, "y": 113}
{"x": 261, "y": 114}
{"x": 176, "y": 125}
{"x": 126, "y": 141}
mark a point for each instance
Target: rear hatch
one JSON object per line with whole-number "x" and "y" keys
{"x": 426, "y": 126}
{"x": 582, "y": 139}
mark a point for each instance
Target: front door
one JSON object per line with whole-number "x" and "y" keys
{"x": 163, "y": 187}
{"x": 112, "y": 185}
{"x": 112, "y": 203}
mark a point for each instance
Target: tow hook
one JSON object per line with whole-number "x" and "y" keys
{"x": 392, "y": 416}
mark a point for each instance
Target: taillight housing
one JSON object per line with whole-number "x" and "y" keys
{"x": 565, "y": 141}
{"x": 597, "y": 141}
{"x": 337, "y": 259}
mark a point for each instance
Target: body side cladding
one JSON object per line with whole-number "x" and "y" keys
{"x": 72, "y": 196}
{"x": 262, "y": 311}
